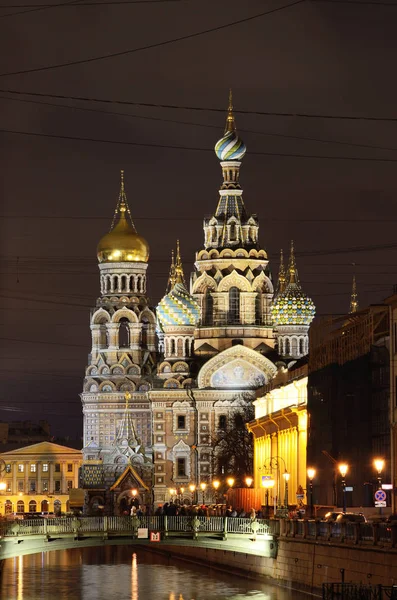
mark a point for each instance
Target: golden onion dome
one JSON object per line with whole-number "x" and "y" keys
{"x": 122, "y": 243}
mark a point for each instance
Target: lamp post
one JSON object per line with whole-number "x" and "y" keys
{"x": 267, "y": 483}
{"x": 286, "y": 476}
{"x": 248, "y": 481}
{"x": 215, "y": 485}
{"x": 343, "y": 469}
{"x": 192, "y": 489}
{"x": 311, "y": 473}
{"x": 203, "y": 488}
{"x": 379, "y": 463}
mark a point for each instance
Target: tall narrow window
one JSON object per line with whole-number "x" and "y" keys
{"x": 208, "y": 308}
{"x": 234, "y": 305}
{"x": 232, "y": 232}
{"x": 301, "y": 347}
{"x": 258, "y": 308}
{"x": 124, "y": 333}
{"x": 145, "y": 326}
{"x": 181, "y": 467}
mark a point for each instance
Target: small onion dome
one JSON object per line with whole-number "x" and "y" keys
{"x": 230, "y": 147}
{"x": 178, "y": 308}
{"x": 122, "y": 243}
{"x": 293, "y": 307}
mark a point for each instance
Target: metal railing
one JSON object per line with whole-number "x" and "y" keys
{"x": 352, "y": 591}
{"x": 354, "y": 533}
{"x": 126, "y": 525}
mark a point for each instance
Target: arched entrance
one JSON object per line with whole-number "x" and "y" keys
{"x": 8, "y": 507}
{"x": 44, "y": 506}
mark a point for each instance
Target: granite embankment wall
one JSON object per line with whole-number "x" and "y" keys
{"x": 301, "y": 564}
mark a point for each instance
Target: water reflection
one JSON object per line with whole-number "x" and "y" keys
{"x": 122, "y": 573}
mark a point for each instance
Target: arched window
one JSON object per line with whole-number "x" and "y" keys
{"x": 180, "y": 347}
{"x": 103, "y": 336}
{"x": 124, "y": 333}
{"x": 208, "y": 308}
{"x": 234, "y": 305}
{"x": 287, "y": 347}
{"x": 294, "y": 347}
{"x": 258, "y": 308}
{"x": 145, "y": 326}
{"x": 32, "y": 506}
{"x": 44, "y": 506}
{"x": 123, "y": 285}
{"x": 172, "y": 346}
{"x": 57, "y": 507}
{"x": 7, "y": 507}
{"x": 233, "y": 231}
{"x": 20, "y": 506}
{"x": 187, "y": 347}
{"x": 214, "y": 234}
{"x": 301, "y": 346}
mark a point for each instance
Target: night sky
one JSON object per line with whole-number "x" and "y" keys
{"x": 58, "y": 195}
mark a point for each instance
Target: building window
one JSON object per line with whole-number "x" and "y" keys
{"x": 181, "y": 467}
{"x": 234, "y": 305}
{"x": 181, "y": 420}
{"x": 44, "y": 484}
{"x": 20, "y": 486}
{"x": 222, "y": 422}
{"x": 20, "y": 468}
{"x": 32, "y": 506}
{"x": 70, "y": 468}
{"x": 57, "y": 468}
{"x": 208, "y": 308}
{"x": 45, "y": 467}
{"x": 33, "y": 468}
{"x": 57, "y": 486}
{"x": 32, "y": 486}
{"x": 159, "y": 455}
{"x": 20, "y": 506}
{"x": 8, "y": 468}
{"x": 70, "y": 484}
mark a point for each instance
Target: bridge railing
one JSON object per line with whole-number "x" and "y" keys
{"x": 125, "y": 525}
{"x": 353, "y": 533}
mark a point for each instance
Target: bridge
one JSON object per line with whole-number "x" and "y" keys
{"x": 230, "y": 534}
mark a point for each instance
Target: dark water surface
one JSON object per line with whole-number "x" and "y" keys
{"x": 122, "y": 573}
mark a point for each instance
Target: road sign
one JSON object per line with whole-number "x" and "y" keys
{"x": 349, "y": 488}
{"x": 380, "y": 495}
{"x": 380, "y": 503}
{"x": 300, "y": 496}
{"x": 387, "y": 486}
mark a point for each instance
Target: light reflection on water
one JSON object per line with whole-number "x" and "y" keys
{"x": 121, "y": 573}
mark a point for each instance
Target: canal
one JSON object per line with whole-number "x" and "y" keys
{"x": 122, "y": 573}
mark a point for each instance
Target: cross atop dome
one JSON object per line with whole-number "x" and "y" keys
{"x": 230, "y": 147}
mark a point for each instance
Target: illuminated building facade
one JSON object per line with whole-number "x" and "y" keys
{"x": 181, "y": 372}
{"x": 280, "y": 434}
{"x": 38, "y": 478}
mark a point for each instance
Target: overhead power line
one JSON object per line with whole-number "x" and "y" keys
{"x": 35, "y": 8}
{"x": 205, "y": 108}
{"x": 154, "y": 45}
{"x": 190, "y": 123}
{"x": 194, "y": 149}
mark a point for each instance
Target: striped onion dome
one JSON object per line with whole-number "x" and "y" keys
{"x": 230, "y": 147}
{"x": 178, "y": 307}
{"x": 293, "y": 307}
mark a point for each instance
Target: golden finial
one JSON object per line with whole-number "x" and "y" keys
{"x": 292, "y": 271}
{"x": 172, "y": 275}
{"x": 122, "y": 204}
{"x": 179, "y": 275}
{"x": 353, "y": 297}
{"x": 281, "y": 274}
{"x": 230, "y": 123}
{"x": 127, "y": 397}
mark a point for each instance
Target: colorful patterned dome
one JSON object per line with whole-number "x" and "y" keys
{"x": 293, "y": 307}
{"x": 178, "y": 308}
{"x": 230, "y": 147}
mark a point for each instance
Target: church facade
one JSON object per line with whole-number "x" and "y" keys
{"x": 168, "y": 390}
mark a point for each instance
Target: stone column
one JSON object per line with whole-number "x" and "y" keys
{"x": 51, "y": 486}
{"x": 14, "y": 468}
{"x": 63, "y": 482}
{"x": 26, "y": 478}
{"x": 76, "y": 474}
{"x": 38, "y": 477}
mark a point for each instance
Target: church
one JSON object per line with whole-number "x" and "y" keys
{"x": 168, "y": 389}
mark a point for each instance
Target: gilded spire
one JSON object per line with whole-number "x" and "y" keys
{"x": 122, "y": 204}
{"x": 126, "y": 433}
{"x": 179, "y": 275}
{"x": 292, "y": 270}
{"x": 172, "y": 275}
{"x": 230, "y": 123}
{"x": 281, "y": 275}
{"x": 353, "y": 297}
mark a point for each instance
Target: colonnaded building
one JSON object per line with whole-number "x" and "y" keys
{"x": 164, "y": 386}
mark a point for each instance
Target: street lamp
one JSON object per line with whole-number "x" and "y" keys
{"x": 230, "y": 482}
{"x": 311, "y": 473}
{"x": 181, "y": 492}
{"x": 379, "y": 464}
{"x": 343, "y": 469}
{"x": 203, "y": 488}
{"x": 3, "y": 486}
{"x": 286, "y": 476}
{"x": 192, "y": 489}
{"x": 267, "y": 483}
{"x": 248, "y": 481}
{"x": 215, "y": 485}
